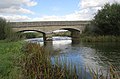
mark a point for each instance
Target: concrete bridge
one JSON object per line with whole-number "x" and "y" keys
{"x": 47, "y": 27}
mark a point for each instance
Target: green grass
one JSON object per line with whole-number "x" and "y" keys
{"x": 9, "y": 54}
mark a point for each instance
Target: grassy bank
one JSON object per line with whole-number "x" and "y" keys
{"x": 9, "y": 54}
{"x": 31, "y": 61}
{"x": 100, "y": 38}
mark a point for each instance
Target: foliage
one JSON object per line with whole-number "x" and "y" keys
{"x": 31, "y": 35}
{"x": 3, "y": 29}
{"x": 9, "y": 54}
{"x": 36, "y": 64}
{"x": 107, "y": 20}
{"x": 6, "y": 31}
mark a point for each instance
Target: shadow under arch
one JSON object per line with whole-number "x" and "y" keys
{"x": 34, "y": 31}
{"x": 75, "y": 35}
{"x": 70, "y": 29}
{"x": 31, "y": 30}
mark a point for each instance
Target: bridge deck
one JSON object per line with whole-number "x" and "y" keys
{"x": 49, "y": 23}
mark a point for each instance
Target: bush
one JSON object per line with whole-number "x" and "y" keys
{"x": 3, "y": 29}
{"x": 107, "y": 20}
{"x": 6, "y": 31}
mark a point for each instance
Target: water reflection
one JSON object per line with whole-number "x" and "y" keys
{"x": 94, "y": 55}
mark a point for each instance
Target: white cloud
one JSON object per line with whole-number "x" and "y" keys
{"x": 15, "y": 10}
{"x": 16, "y": 17}
{"x": 15, "y": 6}
{"x": 87, "y": 9}
{"x": 69, "y": 17}
{"x": 94, "y": 3}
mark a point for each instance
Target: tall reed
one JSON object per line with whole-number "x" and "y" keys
{"x": 36, "y": 64}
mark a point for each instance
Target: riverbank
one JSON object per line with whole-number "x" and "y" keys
{"x": 84, "y": 38}
{"x": 9, "y": 54}
{"x": 38, "y": 65}
{"x": 35, "y": 62}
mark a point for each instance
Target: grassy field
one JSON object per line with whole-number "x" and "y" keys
{"x": 9, "y": 54}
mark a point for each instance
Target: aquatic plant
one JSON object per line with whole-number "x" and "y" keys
{"x": 36, "y": 64}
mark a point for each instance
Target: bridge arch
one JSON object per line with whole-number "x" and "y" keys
{"x": 31, "y": 30}
{"x": 44, "y": 34}
{"x": 70, "y": 29}
{"x": 75, "y": 33}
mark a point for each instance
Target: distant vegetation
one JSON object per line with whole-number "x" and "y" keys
{"x": 29, "y": 35}
{"x": 67, "y": 33}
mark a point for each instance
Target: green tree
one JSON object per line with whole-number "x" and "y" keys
{"x": 6, "y": 32}
{"x": 107, "y": 20}
{"x": 3, "y": 24}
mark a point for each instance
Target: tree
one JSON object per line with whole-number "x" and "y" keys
{"x": 5, "y": 30}
{"x": 3, "y": 24}
{"x": 107, "y": 20}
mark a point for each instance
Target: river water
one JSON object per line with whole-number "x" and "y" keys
{"x": 93, "y": 55}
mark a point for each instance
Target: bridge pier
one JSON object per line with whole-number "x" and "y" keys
{"x": 75, "y": 35}
{"x": 47, "y": 37}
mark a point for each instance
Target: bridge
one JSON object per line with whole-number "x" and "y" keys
{"x": 47, "y": 27}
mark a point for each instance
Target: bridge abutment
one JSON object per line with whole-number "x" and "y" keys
{"x": 47, "y": 37}
{"x": 75, "y": 34}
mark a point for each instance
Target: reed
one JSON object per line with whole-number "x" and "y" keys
{"x": 36, "y": 64}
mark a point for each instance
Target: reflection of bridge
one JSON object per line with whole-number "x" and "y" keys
{"x": 47, "y": 27}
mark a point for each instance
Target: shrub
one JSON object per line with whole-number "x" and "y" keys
{"x": 107, "y": 20}
{"x": 6, "y": 31}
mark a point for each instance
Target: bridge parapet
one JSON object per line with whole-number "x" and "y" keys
{"x": 49, "y": 23}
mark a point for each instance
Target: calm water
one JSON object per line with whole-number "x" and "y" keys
{"x": 93, "y": 55}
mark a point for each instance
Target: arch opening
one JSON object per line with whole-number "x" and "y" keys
{"x": 70, "y": 29}
{"x": 62, "y": 32}
{"x": 31, "y": 30}
{"x": 75, "y": 33}
{"x": 31, "y": 34}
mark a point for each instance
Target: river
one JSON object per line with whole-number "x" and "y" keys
{"x": 93, "y": 55}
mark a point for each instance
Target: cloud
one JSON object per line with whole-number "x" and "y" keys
{"x": 94, "y": 3}
{"x": 16, "y": 17}
{"x": 16, "y": 6}
{"x": 15, "y": 10}
{"x": 70, "y": 17}
{"x": 87, "y": 10}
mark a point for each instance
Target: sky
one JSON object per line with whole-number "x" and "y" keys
{"x": 50, "y": 10}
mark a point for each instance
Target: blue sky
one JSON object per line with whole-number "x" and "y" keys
{"x": 55, "y": 7}
{"x": 50, "y": 10}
